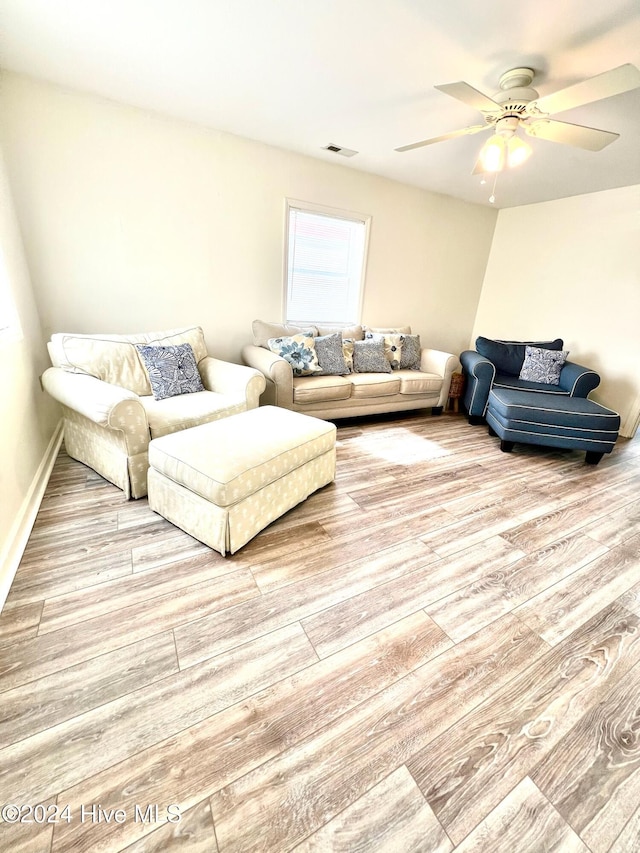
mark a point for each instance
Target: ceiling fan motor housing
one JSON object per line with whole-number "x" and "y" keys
{"x": 515, "y": 99}
{"x": 515, "y": 92}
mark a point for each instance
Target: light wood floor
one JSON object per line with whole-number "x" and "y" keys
{"x": 440, "y": 651}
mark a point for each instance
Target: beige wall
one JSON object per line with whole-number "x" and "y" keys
{"x": 29, "y": 417}
{"x": 135, "y": 222}
{"x": 571, "y": 269}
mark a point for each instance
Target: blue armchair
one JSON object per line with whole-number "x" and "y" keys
{"x": 497, "y": 364}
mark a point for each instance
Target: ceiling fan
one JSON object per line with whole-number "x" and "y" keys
{"x": 517, "y": 105}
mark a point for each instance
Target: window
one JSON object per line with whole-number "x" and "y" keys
{"x": 325, "y": 262}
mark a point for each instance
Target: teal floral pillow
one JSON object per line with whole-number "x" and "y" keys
{"x": 299, "y": 351}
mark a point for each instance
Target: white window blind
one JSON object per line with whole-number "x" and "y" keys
{"x": 325, "y": 267}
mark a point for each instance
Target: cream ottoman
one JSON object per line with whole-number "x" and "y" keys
{"x": 225, "y": 481}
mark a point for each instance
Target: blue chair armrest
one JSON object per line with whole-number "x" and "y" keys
{"x": 579, "y": 381}
{"x": 480, "y": 373}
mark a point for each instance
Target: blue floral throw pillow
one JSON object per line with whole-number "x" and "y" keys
{"x": 543, "y": 365}
{"x": 299, "y": 351}
{"x": 172, "y": 370}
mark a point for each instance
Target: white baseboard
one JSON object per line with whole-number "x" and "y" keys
{"x": 21, "y": 530}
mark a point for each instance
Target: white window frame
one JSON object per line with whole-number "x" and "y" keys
{"x": 334, "y": 213}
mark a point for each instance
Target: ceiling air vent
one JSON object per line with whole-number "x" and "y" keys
{"x": 337, "y": 149}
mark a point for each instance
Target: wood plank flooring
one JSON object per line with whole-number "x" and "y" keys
{"x": 438, "y": 652}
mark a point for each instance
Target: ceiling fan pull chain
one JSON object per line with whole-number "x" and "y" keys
{"x": 492, "y": 197}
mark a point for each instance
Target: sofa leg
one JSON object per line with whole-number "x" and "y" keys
{"x": 592, "y": 458}
{"x": 506, "y": 446}
{"x": 476, "y": 420}
{"x": 492, "y": 432}
{"x": 436, "y": 410}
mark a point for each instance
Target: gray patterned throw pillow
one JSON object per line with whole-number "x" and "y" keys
{"x": 392, "y": 346}
{"x": 369, "y": 357}
{"x": 172, "y": 370}
{"x": 411, "y": 352}
{"x": 543, "y": 365}
{"x": 330, "y": 355}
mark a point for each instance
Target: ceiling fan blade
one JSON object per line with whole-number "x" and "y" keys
{"x": 466, "y": 131}
{"x": 613, "y": 82}
{"x": 589, "y": 138}
{"x": 478, "y": 168}
{"x": 468, "y": 95}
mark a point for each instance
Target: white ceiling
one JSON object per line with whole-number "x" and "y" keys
{"x": 302, "y": 74}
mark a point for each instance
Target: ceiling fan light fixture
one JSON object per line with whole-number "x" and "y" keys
{"x": 503, "y": 150}
{"x": 493, "y": 154}
{"x": 517, "y": 151}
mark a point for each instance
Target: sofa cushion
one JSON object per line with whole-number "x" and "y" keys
{"x": 330, "y": 355}
{"x": 262, "y": 331}
{"x": 177, "y": 413}
{"x": 392, "y": 346}
{"x": 390, "y": 330}
{"x": 374, "y": 384}
{"x": 172, "y": 370}
{"x": 299, "y": 351}
{"x": 573, "y": 413}
{"x": 508, "y": 356}
{"x": 114, "y": 358}
{"x": 369, "y": 357}
{"x": 416, "y": 382}
{"x": 505, "y": 380}
{"x": 411, "y": 352}
{"x": 543, "y": 365}
{"x": 321, "y": 389}
{"x": 354, "y": 332}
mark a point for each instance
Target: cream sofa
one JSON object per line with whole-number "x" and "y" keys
{"x": 110, "y": 414}
{"x": 353, "y": 394}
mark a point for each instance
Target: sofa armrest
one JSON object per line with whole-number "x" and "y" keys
{"x": 225, "y": 377}
{"x": 579, "y": 381}
{"x": 114, "y": 410}
{"x": 480, "y": 373}
{"x": 101, "y": 402}
{"x": 442, "y": 364}
{"x": 277, "y": 372}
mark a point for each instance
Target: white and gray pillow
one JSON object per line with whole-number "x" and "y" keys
{"x": 543, "y": 365}
{"x": 330, "y": 355}
{"x": 392, "y": 346}
{"x": 369, "y": 357}
{"x": 410, "y": 355}
{"x": 347, "y": 351}
{"x": 172, "y": 370}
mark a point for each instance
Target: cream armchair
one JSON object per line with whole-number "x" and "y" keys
{"x": 109, "y": 412}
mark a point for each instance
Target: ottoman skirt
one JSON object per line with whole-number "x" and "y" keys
{"x": 224, "y": 482}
